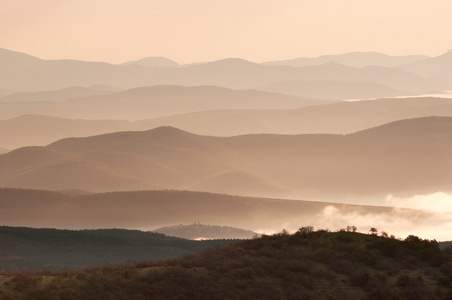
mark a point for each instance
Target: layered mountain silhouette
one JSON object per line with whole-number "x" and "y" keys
{"x": 197, "y": 231}
{"x": 57, "y": 95}
{"x": 154, "y": 101}
{"x": 28, "y": 130}
{"x": 405, "y": 157}
{"x": 432, "y": 67}
{"x": 352, "y": 59}
{"x": 340, "y": 118}
{"x": 153, "y": 62}
{"x": 336, "y": 90}
{"x": 3, "y": 150}
{"x": 21, "y": 72}
{"x": 151, "y": 209}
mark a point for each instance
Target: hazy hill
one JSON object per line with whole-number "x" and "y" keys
{"x": 406, "y": 157}
{"x": 352, "y": 59}
{"x": 148, "y": 210}
{"x": 339, "y": 118}
{"x": 154, "y": 101}
{"x": 197, "y": 231}
{"x": 57, "y": 95}
{"x": 44, "y": 249}
{"x": 22, "y": 72}
{"x": 240, "y": 183}
{"x": 33, "y": 130}
{"x": 153, "y": 62}
{"x": 3, "y": 150}
{"x": 337, "y": 90}
{"x": 433, "y": 66}
{"x": 4, "y": 92}
{"x": 305, "y": 265}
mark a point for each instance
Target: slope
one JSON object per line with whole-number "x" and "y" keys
{"x": 432, "y": 67}
{"x": 148, "y": 210}
{"x": 41, "y": 249}
{"x": 305, "y": 265}
{"x": 34, "y": 130}
{"x": 336, "y": 90}
{"x": 382, "y": 161}
{"x": 199, "y": 231}
{"x": 352, "y": 59}
{"x": 338, "y": 118}
{"x": 56, "y": 95}
{"x": 154, "y": 101}
{"x": 25, "y": 73}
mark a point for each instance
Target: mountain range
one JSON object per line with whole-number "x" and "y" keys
{"x": 154, "y": 101}
{"x": 338, "y": 118}
{"x": 57, "y": 95}
{"x": 24, "y": 73}
{"x": 405, "y": 157}
{"x": 352, "y": 59}
{"x": 148, "y": 210}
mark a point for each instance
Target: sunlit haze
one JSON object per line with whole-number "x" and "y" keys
{"x": 200, "y": 30}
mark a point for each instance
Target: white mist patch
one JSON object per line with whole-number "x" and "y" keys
{"x": 427, "y": 216}
{"x": 436, "y": 202}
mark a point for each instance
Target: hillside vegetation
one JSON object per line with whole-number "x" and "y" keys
{"x": 305, "y": 265}
{"x": 24, "y": 248}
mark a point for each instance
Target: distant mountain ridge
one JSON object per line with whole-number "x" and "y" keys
{"x": 337, "y": 118}
{"x": 331, "y": 89}
{"x": 390, "y": 159}
{"x": 21, "y": 72}
{"x": 199, "y": 231}
{"x": 155, "y": 101}
{"x": 352, "y": 59}
{"x": 3, "y": 150}
{"x": 148, "y": 210}
{"x": 153, "y": 62}
{"x": 57, "y": 95}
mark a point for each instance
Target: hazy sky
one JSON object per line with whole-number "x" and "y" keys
{"x": 205, "y": 30}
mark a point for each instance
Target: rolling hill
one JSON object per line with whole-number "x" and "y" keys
{"x": 352, "y": 59}
{"x": 56, "y": 95}
{"x": 147, "y": 210}
{"x": 405, "y": 157}
{"x": 154, "y": 101}
{"x": 337, "y": 118}
{"x": 35, "y": 130}
{"x": 21, "y": 72}
{"x": 197, "y": 231}
{"x": 52, "y": 249}
{"x": 153, "y": 62}
{"x": 334, "y": 90}
{"x": 432, "y": 67}
{"x": 309, "y": 264}
{"x": 3, "y": 150}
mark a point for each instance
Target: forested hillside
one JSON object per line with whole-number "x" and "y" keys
{"x": 305, "y": 265}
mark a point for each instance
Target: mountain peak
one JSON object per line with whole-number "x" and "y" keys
{"x": 233, "y": 61}
{"x": 154, "y": 61}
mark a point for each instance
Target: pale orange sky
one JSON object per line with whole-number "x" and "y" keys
{"x": 205, "y": 30}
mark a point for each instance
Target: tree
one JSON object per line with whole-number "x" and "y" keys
{"x": 351, "y": 228}
{"x": 373, "y": 231}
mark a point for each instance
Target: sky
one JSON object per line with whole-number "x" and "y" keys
{"x": 189, "y": 31}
